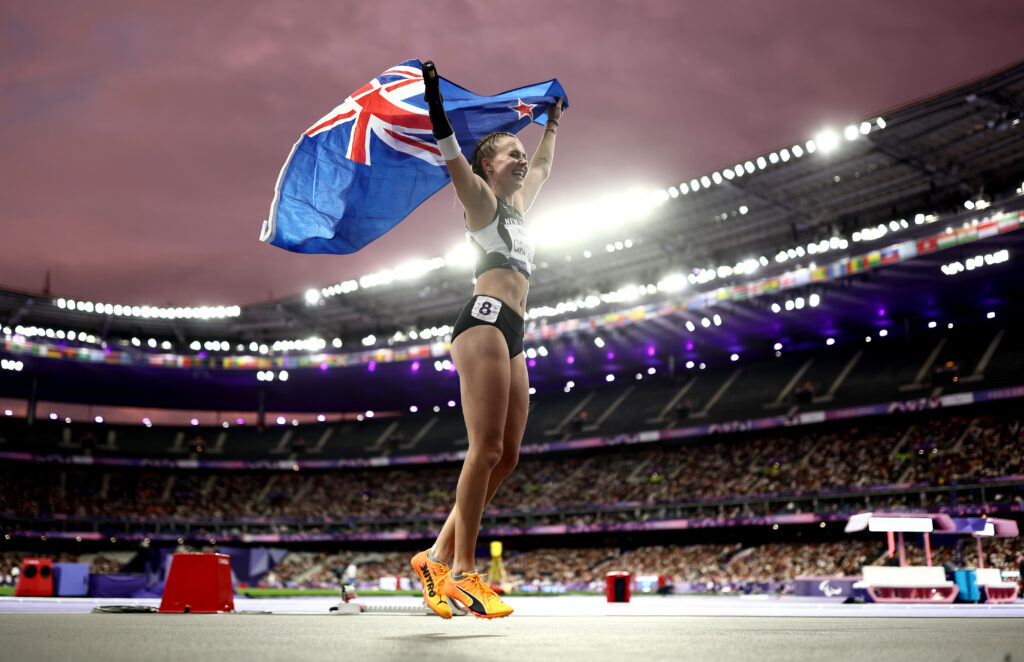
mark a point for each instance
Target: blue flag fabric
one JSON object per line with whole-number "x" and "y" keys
{"x": 372, "y": 160}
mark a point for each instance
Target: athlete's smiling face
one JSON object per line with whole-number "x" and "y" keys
{"x": 507, "y": 168}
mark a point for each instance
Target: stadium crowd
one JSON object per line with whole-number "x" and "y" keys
{"x": 549, "y": 489}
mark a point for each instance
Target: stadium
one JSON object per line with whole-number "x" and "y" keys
{"x": 820, "y": 333}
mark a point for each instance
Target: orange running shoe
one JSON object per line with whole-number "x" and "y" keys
{"x": 433, "y": 576}
{"x": 476, "y": 596}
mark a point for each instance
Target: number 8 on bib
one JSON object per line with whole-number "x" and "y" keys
{"x": 486, "y": 309}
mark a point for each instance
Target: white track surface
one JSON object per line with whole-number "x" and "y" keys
{"x": 574, "y": 605}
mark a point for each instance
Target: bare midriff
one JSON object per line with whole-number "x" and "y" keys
{"x": 506, "y": 284}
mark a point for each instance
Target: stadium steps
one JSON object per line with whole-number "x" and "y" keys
{"x": 660, "y": 418}
{"x": 422, "y": 432}
{"x": 179, "y": 443}
{"x": 165, "y": 496}
{"x": 926, "y": 366}
{"x": 321, "y": 441}
{"x": 719, "y": 393}
{"x": 111, "y": 442}
{"x": 262, "y": 496}
{"x": 790, "y": 385}
{"x": 610, "y": 409}
{"x": 979, "y": 370}
{"x": 840, "y": 378}
{"x": 218, "y": 445}
{"x": 559, "y": 428}
{"x": 903, "y": 440}
{"x": 963, "y": 435}
{"x": 282, "y": 444}
{"x": 636, "y": 474}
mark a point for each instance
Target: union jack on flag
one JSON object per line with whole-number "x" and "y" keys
{"x": 367, "y": 164}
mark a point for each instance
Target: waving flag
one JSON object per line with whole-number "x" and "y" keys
{"x": 371, "y": 161}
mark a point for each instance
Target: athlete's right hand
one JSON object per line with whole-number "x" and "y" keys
{"x": 431, "y": 84}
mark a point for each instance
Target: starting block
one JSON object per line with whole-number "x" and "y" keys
{"x": 349, "y": 608}
{"x": 198, "y": 584}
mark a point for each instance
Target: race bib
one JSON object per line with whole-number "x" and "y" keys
{"x": 486, "y": 309}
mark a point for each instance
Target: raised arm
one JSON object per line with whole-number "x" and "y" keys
{"x": 474, "y": 194}
{"x": 540, "y": 164}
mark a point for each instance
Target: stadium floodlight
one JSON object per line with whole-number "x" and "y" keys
{"x": 761, "y": 163}
{"x": 865, "y": 128}
{"x": 728, "y": 173}
{"x": 652, "y": 370}
{"x": 990, "y": 315}
{"x": 738, "y": 170}
{"x": 683, "y": 188}
{"x": 830, "y": 341}
{"x": 880, "y": 123}
{"x": 717, "y": 320}
{"x": 749, "y": 167}
{"x": 694, "y": 185}
{"x": 883, "y": 333}
{"x": 609, "y": 378}
{"x": 827, "y": 140}
{"x": 797, "y": 150}
{"x": 851, "y": 132}
{"x": 814, "y": 300}
{"x": 743, "y": 210}
{"x": 716, "y": 177}
{"x": 98, "y": 419}
{"x": 773, "y": 158}
{"x": 734, "y": 357}
{"x": 283, "y": 375}
{"x": 705, "y": 181}
{"x": 690, "y": 326}
{"x": 776, "y": 308}
{"x": 784, "y": 155}
{"x": 312, "y": 297}
{"x": 660, "y": 196}
{"x": 673, "y": 192}
{"x": 689, "y": 365}
{"x": 705, "y": 322}
{"x": 599, "y": 342}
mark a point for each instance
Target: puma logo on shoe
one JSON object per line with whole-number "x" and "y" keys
{"x": 473, "y": 603}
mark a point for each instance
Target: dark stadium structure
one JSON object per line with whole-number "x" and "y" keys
{"x": 874, "y": 359}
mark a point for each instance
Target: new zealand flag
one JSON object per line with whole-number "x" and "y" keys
{"x": 371, "y": 161}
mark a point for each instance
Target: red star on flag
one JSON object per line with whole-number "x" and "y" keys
{"x": 524, "y": 109}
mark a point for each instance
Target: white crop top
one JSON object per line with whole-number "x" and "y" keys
{"x": 504, "y": 243}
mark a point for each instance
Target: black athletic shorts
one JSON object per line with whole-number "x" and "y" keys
{"x": 483, "y": 309}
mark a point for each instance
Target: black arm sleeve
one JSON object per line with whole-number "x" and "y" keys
{"x": 435, "y": 104}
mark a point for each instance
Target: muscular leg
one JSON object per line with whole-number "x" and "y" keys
{"x": 515, "y": 425}
{"x": 481, "y": 358}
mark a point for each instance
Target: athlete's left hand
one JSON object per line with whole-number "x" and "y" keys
{"x": 555, "y": 110}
